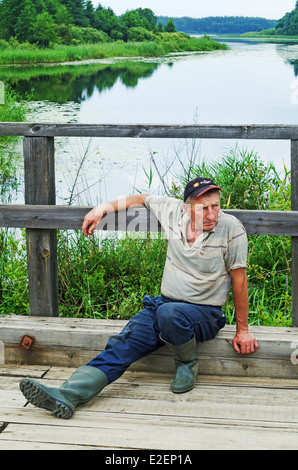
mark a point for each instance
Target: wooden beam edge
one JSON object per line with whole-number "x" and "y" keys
{"x": 136, "y": 220}
{"x": 201, "y": 131}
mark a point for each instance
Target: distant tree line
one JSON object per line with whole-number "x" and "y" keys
{"x": 285, "y": 26}
{"x": 219, "y": 24}
{"x": 46, "y": 22}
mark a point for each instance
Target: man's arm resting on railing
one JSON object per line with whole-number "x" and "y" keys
{"x": 93, "y": 217}
{"x": 244, "y": 342}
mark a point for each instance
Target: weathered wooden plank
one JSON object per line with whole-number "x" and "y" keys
{"x": 140, "y": 219}
{"x": 11, "y": 399}
{"x": 245, "y": 404}
{"x": 155, "y": 379}
{"x": 39, "y": 161}
{"x": 92, "y": 335}
{"x": 218, "y": 404}
{"x": 131, "y": 414}
{"x": 160, "y": 363}
{"x": 17, "y": 370}
{"x": 205, "y": 397}
{"x": 74, "y": 357}
{"x": 276, "y": 405}
{"x": 29, "y": 445}
{"x": 65, "y": 217}
{"x": 200, "y": 131}
{"x": 157, "y": 435}
{"x": 72, "y": 343}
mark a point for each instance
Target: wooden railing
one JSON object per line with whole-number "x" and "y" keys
{"x": 41, "y": 217}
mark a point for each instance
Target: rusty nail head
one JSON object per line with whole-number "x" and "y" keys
{"x": 27, "y": 342}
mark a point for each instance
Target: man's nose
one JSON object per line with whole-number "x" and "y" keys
{"x": 210, "y": 214}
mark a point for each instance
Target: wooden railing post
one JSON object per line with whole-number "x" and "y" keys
{"x": 41, "y": 244}
{"x": 294, "y": 207}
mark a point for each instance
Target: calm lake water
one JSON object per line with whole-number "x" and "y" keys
{"x": 252, "y": 83}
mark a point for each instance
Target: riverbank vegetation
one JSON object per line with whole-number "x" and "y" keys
{"x": 287, "y": 26}
{"x": 34, "y": 31}
{"x": 48, "y": 22}
{"x": 107, "y": 275}
{"x": 177, "y": 42}
{"x": 14, "y": 109}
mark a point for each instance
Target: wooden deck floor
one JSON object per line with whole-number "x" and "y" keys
{"x": 140, "y": 412}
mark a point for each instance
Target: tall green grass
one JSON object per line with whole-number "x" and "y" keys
{"x": 59, "y": 53}
{"x": 108, "y": 277}
{"x": 13, "y": 274}
{"x": 13, "y": 109}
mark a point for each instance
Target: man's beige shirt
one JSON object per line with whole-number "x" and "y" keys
{"x": 198, "y": 273}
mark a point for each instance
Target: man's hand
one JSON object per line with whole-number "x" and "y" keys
{"x": 92, "y": 219}
{"x": 245, "y": 343}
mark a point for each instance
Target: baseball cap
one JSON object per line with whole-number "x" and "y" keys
{"x": 198, "y": 186}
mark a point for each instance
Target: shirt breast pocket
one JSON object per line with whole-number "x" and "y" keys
{"x": 211, "y": 261}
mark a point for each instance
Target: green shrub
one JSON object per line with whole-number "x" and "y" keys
{"x": 140, "y": 34}
{"x": 3, "y": 44}
{"x": 168, "y": 37}
{"x": 87, "y": 35}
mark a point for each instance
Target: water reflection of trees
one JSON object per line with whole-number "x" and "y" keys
{"x": 295, "y": 64}
{"x": 289, "y": 53}
{"x": 74, "y": 83}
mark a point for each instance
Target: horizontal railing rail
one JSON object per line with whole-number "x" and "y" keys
{"x": 42, "y": 217}
{"x": 136, "y": 219}
{"x": 195, "y": 131}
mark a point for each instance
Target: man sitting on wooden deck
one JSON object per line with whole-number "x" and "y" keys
{"x": 207, "y": 254}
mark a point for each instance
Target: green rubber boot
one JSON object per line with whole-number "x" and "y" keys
{"x": 186, "y": 362}
{"x": 82, "y": 386}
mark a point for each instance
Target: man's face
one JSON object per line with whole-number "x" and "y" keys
{"x": 204, "y": 211}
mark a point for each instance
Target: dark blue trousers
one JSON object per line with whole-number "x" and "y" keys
{"x": 174, "y": 321}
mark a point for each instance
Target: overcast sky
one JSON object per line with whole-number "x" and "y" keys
{"x": 198, "y": 8}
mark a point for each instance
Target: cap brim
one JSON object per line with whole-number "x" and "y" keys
{"x": 205, "y": 191}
